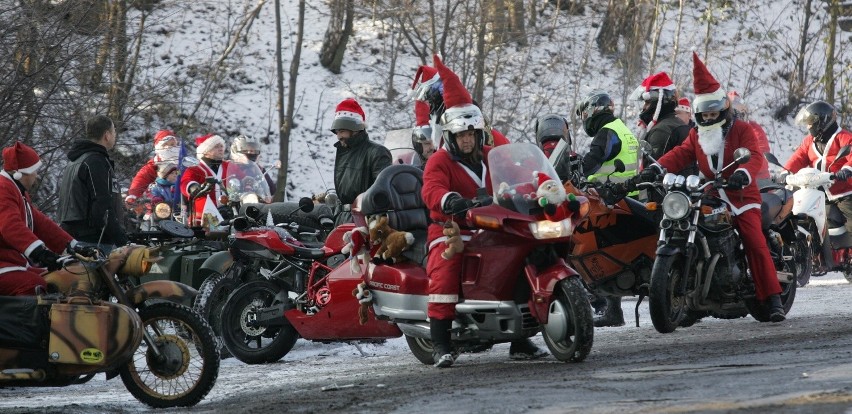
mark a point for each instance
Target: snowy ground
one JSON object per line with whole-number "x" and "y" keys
{"x": 328, "y": 373}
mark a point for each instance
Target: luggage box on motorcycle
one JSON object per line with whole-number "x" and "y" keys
{"x": 79, "y": 333}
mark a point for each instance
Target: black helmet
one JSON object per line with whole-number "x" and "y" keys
{"x": 551, "y": 126}
{"x": 595, "y": 102}
{"x": 419, "y": 136}
{"x": 817, "y": 117}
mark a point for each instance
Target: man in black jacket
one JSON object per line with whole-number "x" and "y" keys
{"x": 358, "y": 160}
{"x": 89, "y": 197}
{"x": 665, "y": 130}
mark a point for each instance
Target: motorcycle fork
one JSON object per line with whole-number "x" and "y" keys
{"x": 118, "y": 291}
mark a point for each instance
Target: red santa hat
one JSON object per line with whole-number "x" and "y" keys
{"x": 706, "y": 87}
{"x": 21, "y": 159}
{"x": 349, "y": 115}
{"x": 455, "y": 94}
{"x": 207, "y": 142}
{"x": 421, "y": 113}
{"x": 162, "y": 137}
{"x": 683, "y": 105}
{"x": 542, "y": 177}
{"x": 424, "y": 74}
{"x": 657, "y": 82}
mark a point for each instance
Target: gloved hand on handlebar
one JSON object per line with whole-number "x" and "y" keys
{"x": 196, "y": 190}
{"x": 650, "y": 173}
{"x": 44, "y": 257}
{"x": 457, "y": 206}
{"x": 844, "y": 174}
{"x": 85, "y": 251}
{"x": 738, "y": 180}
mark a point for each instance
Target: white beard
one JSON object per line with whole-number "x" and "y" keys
{"x": 711, "y": 139}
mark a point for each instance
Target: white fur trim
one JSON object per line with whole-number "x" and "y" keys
{"x": 34, "y": 245}
{"x": 208, "y": 144}
{"x": 12, "y": 269}
{"x": 31, "y": 169}
{"x": 734, "y": 209}
{"x": 444, "y": 199}
{"x": 683, "y": 108}
{"x": 442, "y": 239}
{"x": 347, "y": 114}
{"x": 747, "y": 174}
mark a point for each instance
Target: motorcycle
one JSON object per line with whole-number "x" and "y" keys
{"x": 827, "y": 239}
{"x": 514, "y": 281}
{"x": 101, "y": 321}
{"x": 260, "y": 249}
{"x": 783, "y": 232}
{"x": 701, "y": 267}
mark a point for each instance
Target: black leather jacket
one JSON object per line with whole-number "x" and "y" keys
{"x": 357, "y": 165}
{"x": 89, "y": 197}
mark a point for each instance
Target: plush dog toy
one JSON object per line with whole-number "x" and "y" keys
{"x": 392, "y": 242}
{"x": 357, "y": 247}
{"x": 551, "y": 195}
{"x": 454, "y": 242}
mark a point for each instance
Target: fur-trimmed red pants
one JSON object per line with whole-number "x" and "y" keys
{"x": 759, "y": 260}
{"x": 444, "y": 283}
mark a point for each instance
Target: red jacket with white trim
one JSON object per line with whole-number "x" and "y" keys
{"x": 740, "y": 135}
{"x": 24, "y": 228}
{"x": 808, "y": 156}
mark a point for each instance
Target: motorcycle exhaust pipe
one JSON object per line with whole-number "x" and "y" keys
{"x": 785, "y": 277}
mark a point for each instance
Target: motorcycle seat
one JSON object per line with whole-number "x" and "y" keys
{"x": 308, "y": 252}
{"x": 418, "y": 251}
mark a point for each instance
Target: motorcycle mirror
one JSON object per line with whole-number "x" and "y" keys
{"x": 742, "y": 155}
{"x": 253, "y": 212}
{"x": 772, "y": 159}
{"x": 240, "y": 224}
{"x": 844, "y": 151}
{"x": 306, "y": 204}
{"x": 619, "y": 166}
{"x": 189, "y": 161}
{"x": 211, "y": 180}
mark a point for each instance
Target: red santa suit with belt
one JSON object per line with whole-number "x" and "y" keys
{"x": 23, "y": 229}
{"x": 198, "y": 174}
{"x": 807, "y": 155}
{"x": 745, "y": 203}
{"x": 444, "y": 176}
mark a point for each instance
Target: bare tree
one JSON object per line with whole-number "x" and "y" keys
{"x": 831, "y": 40}
{"x": 797, "y": 81}
{"x": 287, "y": 122}
{"x": 337, "y": 34}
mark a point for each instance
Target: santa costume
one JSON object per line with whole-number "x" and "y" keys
{"x": 198, "y": 174}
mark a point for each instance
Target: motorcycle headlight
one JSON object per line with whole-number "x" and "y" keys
{"x": 249, "y": 198}
{"x": 546, "y": 229}
{"x": 162, "y": 211}
{"x": 676, "y": 206}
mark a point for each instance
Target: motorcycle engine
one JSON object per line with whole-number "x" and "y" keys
{"x": 727, "y": 272}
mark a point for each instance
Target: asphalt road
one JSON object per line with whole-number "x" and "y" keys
{"x": 802, "y": 365}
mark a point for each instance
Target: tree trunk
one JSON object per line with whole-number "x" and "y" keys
{"x": 479, "y": 63}
{"x": 834, "y": 10}
{"x": 337, "y": 34}
{"x": 284, "y": 144}
{"x": 608, "y": 35}
{"x": 533, "y": 13}
{"x": 119, "y": 89}
{"x": 676, "y": 45}
{"x": 516, "y": 13}
{"x": 797, "y": 81}
{"x": 657, "y": 23}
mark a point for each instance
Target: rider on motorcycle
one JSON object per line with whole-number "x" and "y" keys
{"x": 27, "y": 237}
{"x": 712, "y": 144}
{"x": 450, "y": 181}
{"x": 246, "y": 149}
{"x": 166, "y": 149}
{"x": 211, "y": 152}
{"x": 611, "y": 140}
{"x": 819, "y": 150}
{"x": 549, "y": 129}
{"x": 421, "y": 134}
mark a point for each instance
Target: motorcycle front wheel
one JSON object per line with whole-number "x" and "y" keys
{"x": 255, "y": 344}
{"x": 666, "y": 305}
{"x": 570, "y": 328}
{"x": 186, "y": 364}
{"x": 803, "y": 256}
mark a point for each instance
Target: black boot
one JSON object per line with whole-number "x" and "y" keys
{"x": 776, "y": 309}
{"x": 441, "y": 347}
{"x": 522, "y": 349}
{"x": 613, "y": 315}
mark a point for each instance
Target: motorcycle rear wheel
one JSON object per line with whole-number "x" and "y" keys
{"x": 211, "y": 299}
{"x": 803, "y": 256}
{"x": 666, "y": 309}
{"x": 255, "y": 345}
{"x": 189, "y": 365}
{"x": 572, "y": 306}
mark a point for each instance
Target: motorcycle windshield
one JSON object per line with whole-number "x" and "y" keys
{"x": 246, "y": 183}
{"x": 516, "y": 172}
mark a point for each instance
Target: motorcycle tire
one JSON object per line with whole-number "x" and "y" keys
{"x": 190, "y": 363}
{"x": 804, "y": 261}
{"x": 422, "y": 349}
{"x": 212, "y": 294}
{"x": 255, "y": 345}
{"x": 569, "y": 333}
{"x": 666, "y": 309}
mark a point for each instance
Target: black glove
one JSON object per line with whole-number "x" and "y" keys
{"x": 85, "y": 251}
{"x": 457, "y": 206}
{"x": 45, "y": 258}
{"x": 738, "y": 180}
{"x": 843, "y": 175}
{"x": 196, "y": 190}
{"x": 649, "y": 174}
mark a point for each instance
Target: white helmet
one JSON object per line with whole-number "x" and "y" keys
{"x": 462, "y": 118}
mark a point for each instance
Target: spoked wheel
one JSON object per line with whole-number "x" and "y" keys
{"x": 666, "y": 305}
{"x": 247, "y": 341}
{"x": 184, "y": 366}
{"x": 570, "y": 328}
